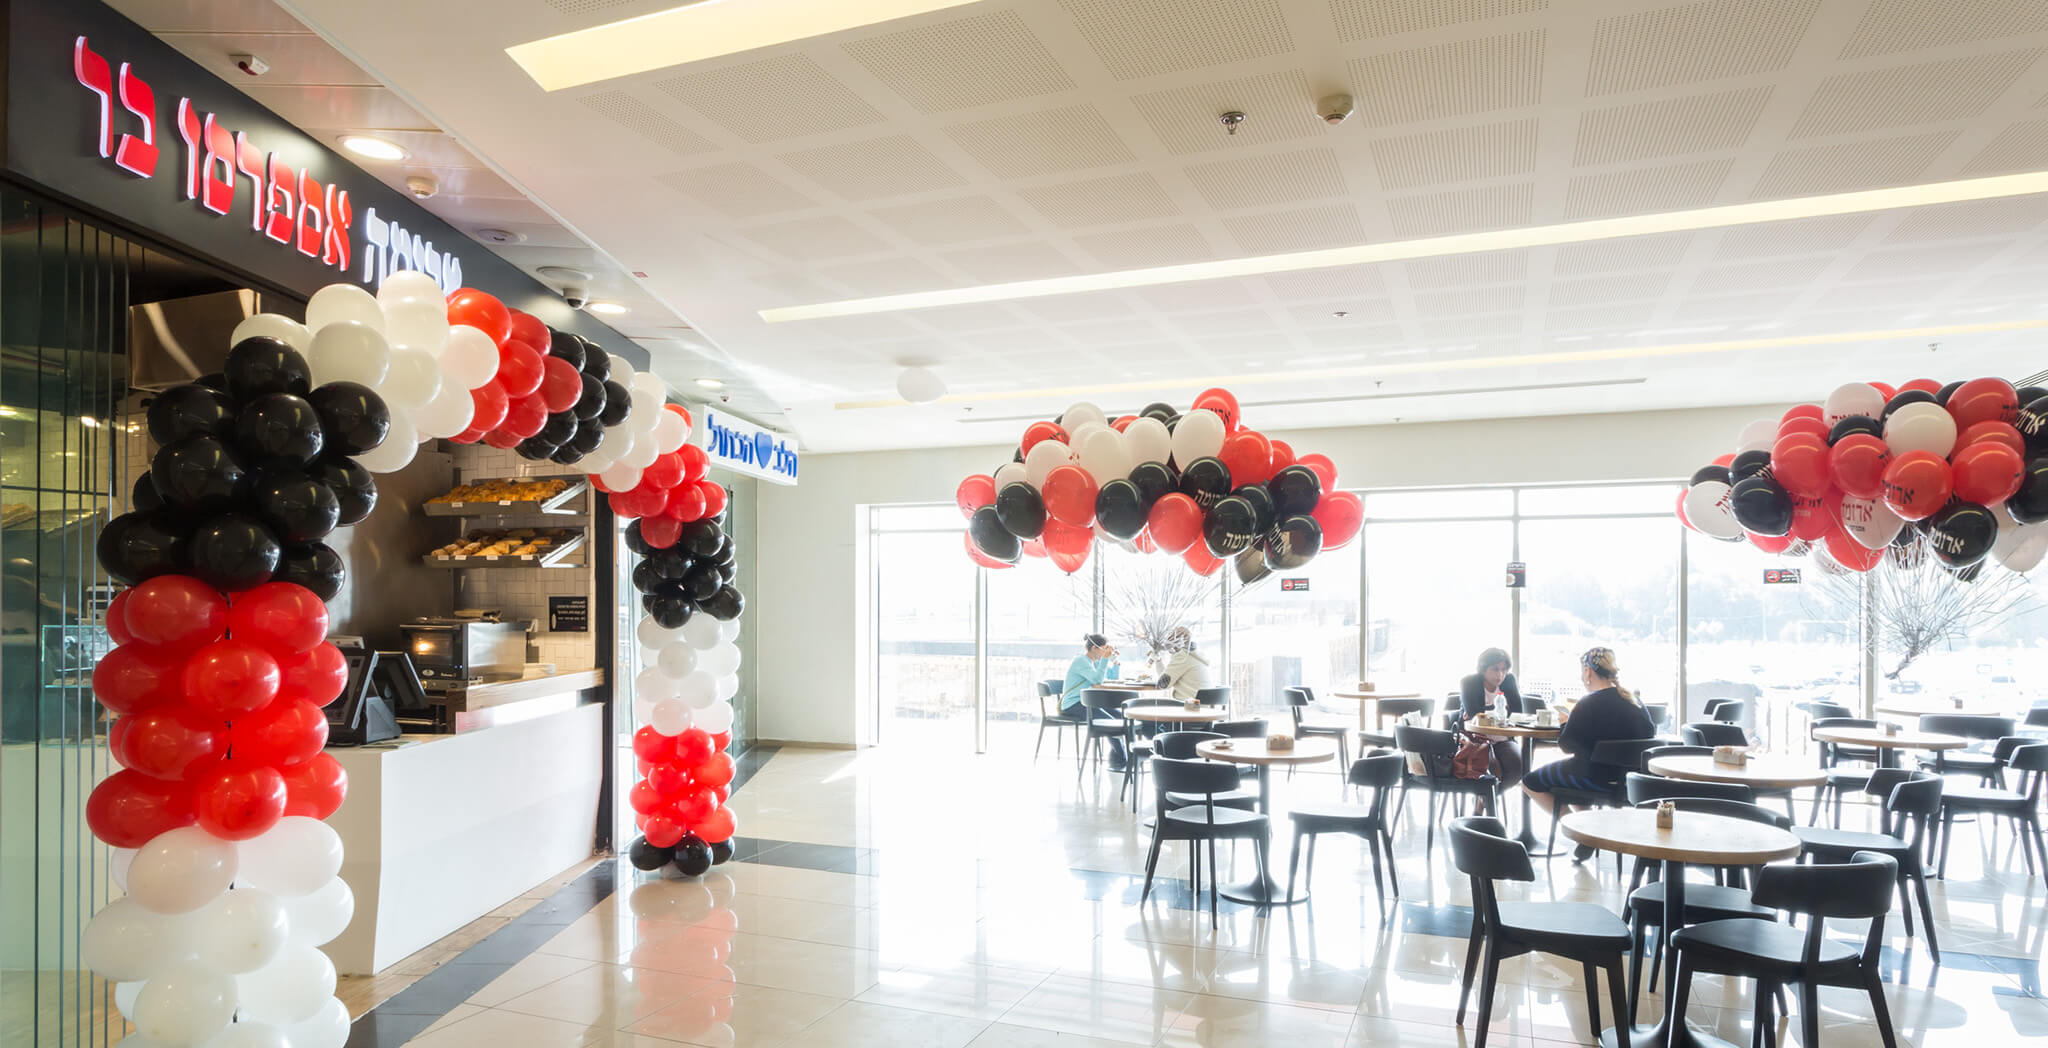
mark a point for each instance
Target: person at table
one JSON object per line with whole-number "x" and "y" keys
{"x": 1187, "y": 672}
{"x": 1096, "y": 663}
{"x": 1608, "y": 712}
{"x": 1492, "y": 689}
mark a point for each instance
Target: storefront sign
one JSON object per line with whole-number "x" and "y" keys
{"x": 569, "y": 614}
{"x": 1294, "y": 585}
{"x": 1781, "y": 576}
{"x": 744, "y": 447}
{"x": 1518, "y": 575}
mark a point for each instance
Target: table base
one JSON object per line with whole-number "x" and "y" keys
{"x": 1662, "y": 1036}
{"x": 1263, "y": 890}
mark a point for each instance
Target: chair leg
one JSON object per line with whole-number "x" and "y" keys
{"x": 1401, "y": 802}
{"x": 1151, "y": 861}
{"x": 1487, "y": 980}
{"x": 1809, "y": 1012}
{"x": 1657, "y": 959}
{"x": 1880, "y": 1010}
{"x": 1195, "y": 873}
{"x": 1681, "y": 992}
{"x": 1592, "y": 1000}
{"x": 1394, "y": 871}
{"x": 1429, "y": 830}
{"x": 1947, "y": 833}
{"x": 1926, "y": 915}
{"x": 1311, "y": 874}
{"x": 1214, "y": 876}
{"x": 1473, "y": 946}
{"x": 1819, "y": 792}
{"x": 1372, "y": 841}
{"x": 1293, "y": 859}
{"x": 1760, "y": 1018}
{"x": 1621, "y": 1005}
{"x": 1905, "y": 902}
{"x": 1639, "y": 944}
{"x": 2033, "y": 822}
{"x": 1040, "y": 747}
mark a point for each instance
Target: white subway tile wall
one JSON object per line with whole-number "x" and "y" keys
{"x": 523, "y": 593}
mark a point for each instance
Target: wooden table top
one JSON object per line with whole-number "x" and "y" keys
{"x": 1254, "y": 751}
{"x": 1121, "y": 685}
{"x": 1364, "y": 696}
{"x": 1905, "y": 739}
{"x": 1176, "y": 714}
{"x": 1765, "y": 772}
{"x": 1510, "y": 731}
{"x": 1695, "y": 837}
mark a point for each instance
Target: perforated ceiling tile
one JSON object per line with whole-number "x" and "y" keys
{"x": 1461, "y": 210}
{"x": 1463, "y": 76}
{"x": 965, "y": 62}
{"x": 634, "y": 115}
{"x": 1365, "y": 19}
{"x": 874, "y": 168}
{"x": 1441, "y": 331}
{"x": 1064, "y": 309}
{"x": 1646, "y": 190}
{"x": 1323, "y": 285}
{"x": 864, "y": 329}
{"x": 1847, "y": 166}
{"x": 885, "y": 276}
{"x": 1234, "y": 321}
{"x": 951, "y": 221}
{"x": 1459, "y": 154}
{"x": 1901, "y": 294}
{"x": 1657, "y": 251}
{"x": 1760, "y": 276}
{"x": 1199, "y": 295}
{"x": 1930, "y": 92}
{"x": 1934, "y": 260}
{"x": 1498, "y": 298}
{"x": 1265, "y": 181}
{"x": 1689, "y": 43}
{"x": 2021, "y": 147}
{"x": 1487, "y": 267}
{"x": 2022, "y": 284}
{"x": 1979, "y": 218}
{"x": 979, "y": 317}
{"x": 1184, "y": 118}
{"x": 1135, "y": 38}
{"x": 1153, "y": 246}
{"x": 1101, "y": 201}
{"x": 1005, "y": 262}
{"x": 772, "y": 99}
{"x": 1334, "y": 225}
{"x": 1353, "y": 344}
{"x": 1892, "y": 26}
{"x": 1072, "y": 138}
{"x": 826, "y": 236}
{"x": 1798, "y": 236}
{"x": 1669, "y": 127}
{"x": 1116, "y": 332}
{"x": 739, "y": 190}
{"x": 1621, "y": 316}
{"x": 1364, "y": 312}
{"x": 1748, "y": 307}
{"x": 1621, "y": 287}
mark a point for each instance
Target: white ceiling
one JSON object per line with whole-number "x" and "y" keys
{"x": 1012, "y": 141}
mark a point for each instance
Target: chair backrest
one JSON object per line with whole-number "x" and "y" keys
{"x": 1426, "y": 742}
{"x": 2037, "y": 717}
{"x": 1151, "y": 702}
{"x": 1307, "y": 693}
{"x": 1397, "y": 707}
{"x": 1294, "y": 696}
{"x": 1732, "y": 809}
{"x": 1180, "y": 745}
{"x": 1967, "y": 725}
{"x": 1377, "y": 769}
{"x": 1621, "y": 754}
{"x": 1714, "y": 733}
{"x": 1822, "y": 708}
{"x": 1656, "y": 788}
{"x": 1482, "y": 850}
{"x": 1098, "y": 699}
{"x": 2030, "y": 761}
{"x": 1859, "y": 888}
{"x": 1170, "y": 775}
{"x": 1241, "y": 729}
{"x": 1843, "y": 722}
{"x": 1670, "y": 750}
{"x": 1919, "y": 796}
{"x": 1727, "y": 711}
{"x": 1213, "y": 696}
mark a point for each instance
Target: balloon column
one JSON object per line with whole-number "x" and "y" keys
{"x": 1198, "y": 485}
{"x": 1964, "y": 464}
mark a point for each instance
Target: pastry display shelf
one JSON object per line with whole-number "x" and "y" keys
{"x": 557, "y": 505}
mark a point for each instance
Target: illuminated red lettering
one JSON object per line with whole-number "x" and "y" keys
{"x": 92, "y": 71}
{"x": 217, "y": 194}
{"x": 135, "y": 155}
{"x": 340, "y": 215}
{"x": 312, "y": 224}
{"x": 280, "y": 205}
{"x": 249, "y": 161}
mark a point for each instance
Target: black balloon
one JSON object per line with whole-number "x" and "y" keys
{"x": 212, "y": 380}
{"x": 646, "y": 857}
{"x": 559, "y": 428}
{"x": 1706, "y": 473}
{"x": 596, "y": 362}
{"x": 1296, "y": 490}
{"x": 728, "y": 603}
{"x": 1947, "y": 392}
{"x": 669, "y": 610}
{"x": 1910, "y": 396}
{"x": 1229, "y": 526}
{"x": 2029, "y": 394}
{"x": 1157, "y": 410}
{"x": 190, "y": 410}
{"x": 2033, "y": 425}
{"x": 1205, "y": 480}
{"x": 672, "y": 564}
{"x": 637, "y": 541}
{"x": 702, "y": 538}
{"x": 354, "y": 487}
{"x": 2029, "y": 505}
{"x": 1153, "y": 480}
{"x": 1263, "y": 512}
{"x": 1120, "y": 509}
{"x": 617, "y": 403}
{"x": 693, "y": 856}
{"x": 298, "y": 508}
{"x": 315, "y": 566}
{"x": 1250, "y": 565}
{"x": 1293, "y": 542}
{"x": 1852, "y": 424}
{"x": 137, "y": 546}
{"x": 720, "y": 852}
{"x": 1971, "y": 573}
{"x": 534, "y": 448}
{"x": 646, "y": 576}
{"x": 198, "y": 474}
{"x": 1750, "y": 464}
{"x": 1173, "y": 422}
{"x": 988, "y": 534}
{"x": 564, "y": 346}
{"x": 279, "y": 429}
{"x": 233, "y": 552}
{"x": 591, "y": 403}
{"x": 1961, "y": 534}
{"x": 261, "y": 364}
{"x": 588, "y": 438}
{"x": 1761, "y": 506}
{"x": 727, "y": 573}
{"x": 143, "y": 497}
{"x": 354, "y": 417}
{"x": 702, "y": 581}
{"x": 566, "y": 455}
{"x": 1021, "y": 510}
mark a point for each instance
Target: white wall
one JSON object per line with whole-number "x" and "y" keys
{"x": 812, "y": 548}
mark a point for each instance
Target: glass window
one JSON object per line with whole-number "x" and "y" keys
{"x": 1947, "y": 645}
{"x": 1437, "y": 598}
{"x": 1037, "y": 616}
{"x": 1776, "y": 645}
{"x": 1609, "y": 583}
{"x": 918, "y": 518}
{"x": 1449, "y": 502}
{"x": 924, "y": 637}
{"x": 1297, "y": 628}
{"x": 1146, "y": 595}
{"x": 1603, "y": 499}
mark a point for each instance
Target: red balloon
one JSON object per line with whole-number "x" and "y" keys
{"x": 491, "y": 403}
{"x": 482, "y": 312}
{"x": 528, "y": 328}
{"x": 1678, "y": 511}
{"x": 503, "y": 439}
{"x": 721, "y": 742}
{"x": 561, "y": 385}
{"x": 975, "y": 554}
{"x": 695, "y": 462}
{"x": 230, "y": 677}
{"x": 622, "y": 503}
{"x": 1324, "y": 469}
{"x": 693, "y": 805}
{"x": 1987, "y": 473}
{"x": 654, "y": 747}
{"x": 1857, "y": 463}
{"x": 1799, "y": 462}
{"x": 679, "y": 410}
{"x": 1810, "y": 426}
{"x": 1813, "y": 517}
{"x": 1917, "y": 484}
{"x": 129, "y": 808}
{"x": 661, "y": 532}
{"x": 1248, "y": 455}
{"x": 662, "y": 830}
{"x": 285, "y": 617}
{"x": 137, "y": 677}
{"x": 693, "y": 747}
{"x": 316, "y": 676}
{"x": 526, "y": 416}
{"x": 1984, "y": 400}
{"x": 665, "y": 472}
{"x": 714, "y": 497}
{"x": 470, "y": 435}
{"x": 644, "y": 798}
{"x": 1341, "y": 513}
{"x": 1843, "y": 548}
{"x": 1727, "y": 459}
{"x": 1924, "y": 385}
{"x": 1070, "y": 495}
{"x": 1283, "y": 457}
{"x": 1812, "y": 411}
{"x": 316, "y": 788}
{"x": 1223, "y": 403}
{"x": 1995, "y": 431}
{"x": 239, "y": 800}
{"x": 168, "y": 742}
{"x": 519, "y": 369}
{"x": 717, "y": 826}
{"x": 282, "y": 734}
{"x": 1884, "y": 388}
{"x": 649, "y": 501}
{"x": 1771, "y": 543}
{"x": 668, "y": 780}
{"x": 1198, "y": 558}
{"x": 1070, "y": 562}
{"x": 685, "y": 503}
{"x": 1036, "y": 547}
{"x": 1176, "y": 522}
{"x": 975, "y": 492}
{"x": 1123, "y": 422}
{"x": 1038, "y": 431}
{"x": 117, "y": 618}
{"x": 715, "y": 770}
{"x": 1062, "y": 537}
{"x": 177, "y": 612}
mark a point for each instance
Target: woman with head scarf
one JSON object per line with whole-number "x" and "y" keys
{"x": 1608, "y": 712}
{"x": 1187, "y": 672}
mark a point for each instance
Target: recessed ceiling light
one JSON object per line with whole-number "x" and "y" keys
{"x": 607, "y": 308}
{"x": 710, "y": 383}
{"x": 6, "y": 412}
{"x": 88, "y": 422}
{"x": 695, "y": 32}
{"x": 373, "y": 148}
{"x": 1435, "y": 247}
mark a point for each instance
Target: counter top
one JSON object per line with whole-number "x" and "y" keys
{"x": 503, "y": 693}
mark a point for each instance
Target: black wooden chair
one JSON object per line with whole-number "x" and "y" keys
{"x": 1725, "y": 898}
{"x": 1435, "y": 750}
{"x": 1833, "y": 757}
{"x": 1396, "y": 709}
{"x": 1912, "y": 800}
{"x": 1579, "y": 931}
{"x": 1103, "y": 710}
{"x": 1298, "y": 702}
{"x": 1714, "y": 733}
{"x": 1726, "y": 711}
{"x": 1218, "y": 696}
{"x": 1776, "y": 955}
{"x": 1197, "y": 823}
{"x": 1976, "y": 759}
{"x": 1138, "y": 747}
{"x": 1612, "y": 757}
{"x": 1050, "y": 715}
{"x": 2027, "y": 760}
{"x": 1674, "y": 749}
{"x": 1378, "y": 773}
{"x": 1180, "y": 746}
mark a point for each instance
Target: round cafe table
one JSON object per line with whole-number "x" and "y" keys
{"x": 1177, "y": 714}
{"x": 1363, "y": 697}
{"x": 1763, "y": 773}
{"x": 1262, "y": 889}
{"x": 1695, "y": 837}
{"x": 1887, "y": 745}
{"x": 1529, "y": 736}
{"x": 1921, "y": 707}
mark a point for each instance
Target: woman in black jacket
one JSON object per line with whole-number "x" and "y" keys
{"x": 1492, "y": 686}
{"x": 1608, "y": 712}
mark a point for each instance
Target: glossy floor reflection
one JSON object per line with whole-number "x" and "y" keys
{"x": 890, "y": 897}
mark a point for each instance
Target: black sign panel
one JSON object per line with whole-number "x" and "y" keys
{"x": 1518, "y": 575}
{"x": 569, "y": 614}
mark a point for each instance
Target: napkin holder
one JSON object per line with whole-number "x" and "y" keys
{"x": 1665, "y": 812}
{"x": 1191, "y": 705}
{"x": 1280, "y": 743}
{"x": 1732, "y": 756}
{"x": 1891, "y": 727}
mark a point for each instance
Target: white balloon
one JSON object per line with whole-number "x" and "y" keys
{"x": 1870, "y": 521}
{"x": 271, "y": 325}
{"x": 1010, "y": 473}
{"x": 620, "y": 477}
{"x": 654, "y": 685}
{"x": 642, "y": 454}
{"x": 649, "y": 383}
{"x": 618, "y": 440}
{"x": 643, "y": 710}
{"x": 702, "y": 632}
{"x": 1852, "y": 398}
{"x": 699, "y": 690}
{"x": 349, "y": 351}
{"x": 420, "y": 324}
{"x": 714, "y": 718}
{"x": 677, "y": 659}
{"x": 343, "y": 304}
{"x": 1759, "y": 435}
{"x": 1044, "y": 457}
{"x": 1706, "y": 505}
{"x": 1198, "y": 435}
{"x": 920, "y": 385}
{"x": 126, "y": 943}
{"x": 401, "y": 443}
{"x": 250, "y": 1035}
{"x": 181, "y": 870}
{"x": 242, "y": 930}
{"x": 124, "y": 997}
{"x": 407, "y": 285}
{"x": 290, "y": 989}
{"x": 328, "y": 1028}
{"x": 297, "y": 856}
{"x": 723, "y": 658}
{"x": 317, "y": 918}
{"x": 118, "y": 861}
{"x": 653, "y": 635}
{"x": 670, "y": 717}
{"x": 728, "y": 629}
{"x": 1920, "y": 427}
{"x": 1082, "y": 414}
{"x": 449, "y": 413}
{"x": 411, "y": 380}
{"x": 669, "y": 432}
{"x": 1146, "y": 440}
{"x": 726, "y": 687}
{"x": 645, "y": 406}
{"x": 2023, "y": 553}
{"x": 469, "y": 358}
{"x": 1104, "y": 456}
{"x": 1077, "y": 434}
{"x": 185, "y": 1005}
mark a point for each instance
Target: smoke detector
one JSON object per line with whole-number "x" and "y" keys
{"x": 564, "y": 274}
{"x": 421, "y": 187}
{"x": 494, "y": 235}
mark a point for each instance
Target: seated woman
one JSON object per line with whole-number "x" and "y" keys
{"x": 1607, "y": 712}
{"x": 1096, "y": 663}
{"x": 1492, "y": 688}
{"x": 1187, "y": 672}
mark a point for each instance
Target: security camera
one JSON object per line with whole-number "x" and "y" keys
{"x": 1334, "y": 109}
{"x": 575, "y": 296}
{"x": 725, "y": 398}
{"x": 421, "y": 186}
{"x": 250, "y": 64}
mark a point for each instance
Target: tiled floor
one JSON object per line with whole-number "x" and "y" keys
{"x": 905, "y": 898}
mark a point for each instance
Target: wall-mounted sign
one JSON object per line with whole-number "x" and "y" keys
{"x": 1518, "y": 575}
{"x": 1294, "y": 585}
{"x": 744, "y": 447}
{"x": 1781, "y": 576}
{"x": 569, "y": 614}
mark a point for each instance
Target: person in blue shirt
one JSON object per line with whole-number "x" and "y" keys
{"x": 1095, "y": 664}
